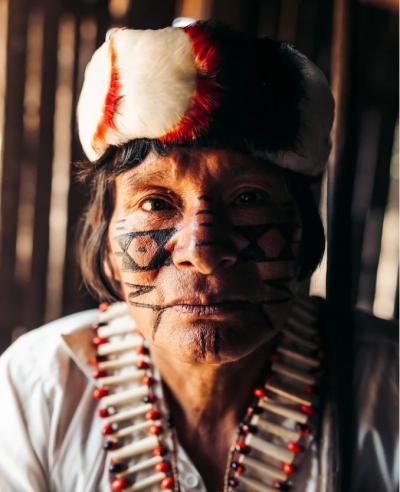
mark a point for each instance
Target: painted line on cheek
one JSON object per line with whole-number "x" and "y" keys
{"x": 157, "y": 323}
{"x": 202, "y": 343}
{"x": 205, "y": 212}
{"x": 153, "y": 307}
{"x": 138, "y": 289}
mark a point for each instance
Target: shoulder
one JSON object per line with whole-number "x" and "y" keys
{"x": 41, "y": 353}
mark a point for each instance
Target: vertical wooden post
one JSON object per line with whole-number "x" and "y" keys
{"x": 11, "y": 161}
{"x": 340, "y": 342}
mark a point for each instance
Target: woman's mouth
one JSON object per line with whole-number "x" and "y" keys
{"x": 210, "y": 309}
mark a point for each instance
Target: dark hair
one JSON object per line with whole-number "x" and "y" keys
{"x": 93, "y": 228}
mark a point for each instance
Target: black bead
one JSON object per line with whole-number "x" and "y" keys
{"x": 257, "y": 410}
{"x": 109, "y": 445}
{"x": 283, "y": 486}
{"x": 117, "y": 467}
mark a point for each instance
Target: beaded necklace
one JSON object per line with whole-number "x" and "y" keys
{"x": 278, "y": 426}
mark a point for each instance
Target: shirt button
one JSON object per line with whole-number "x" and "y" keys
{"x": 191, "y": 480}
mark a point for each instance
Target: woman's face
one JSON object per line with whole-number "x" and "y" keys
{"x": 204, "y": 244}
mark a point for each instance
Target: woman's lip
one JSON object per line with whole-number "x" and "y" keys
{"x": 210, "y": 309}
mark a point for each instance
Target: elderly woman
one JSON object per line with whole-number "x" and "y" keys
{"x": 202, "y": 369}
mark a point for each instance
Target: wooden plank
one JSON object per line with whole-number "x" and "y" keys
{"x": 196, "y": 9}
{"x": 151, "y": 14}
{"x": 241, "y": 14}
{"x": 37, "y": 295}
{"x": 75, "y": 298}
{"x": 11, "y": 160}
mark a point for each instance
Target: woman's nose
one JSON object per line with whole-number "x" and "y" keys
{"x": 203, "y": 244}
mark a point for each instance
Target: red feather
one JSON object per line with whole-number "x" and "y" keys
{"x": 208, "y": 91}
{"x": 111, "y": 102}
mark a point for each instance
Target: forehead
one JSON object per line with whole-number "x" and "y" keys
{"x": 198, "y": 167}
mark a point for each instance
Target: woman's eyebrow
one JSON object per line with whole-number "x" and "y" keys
{"x": 139, "y": 180}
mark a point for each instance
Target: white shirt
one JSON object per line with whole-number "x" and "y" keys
{"x": 50, "y": 434}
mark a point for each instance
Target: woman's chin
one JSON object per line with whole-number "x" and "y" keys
{"x": 210, "y": 341}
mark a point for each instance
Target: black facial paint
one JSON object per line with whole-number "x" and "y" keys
{"x": 253, "y": 233}
{"x": 139, "y": 290}
{"x": 162, "y": 257}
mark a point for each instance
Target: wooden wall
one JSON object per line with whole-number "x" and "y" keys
{"x": 44, "y": 47}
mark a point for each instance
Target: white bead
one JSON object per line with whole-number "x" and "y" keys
{"x": 138, "y": 447}
{"x": 283, "y": 411}
{"x": 116, "y": 329}
{"x": 290, "y": 335}
{"x": 119, "y": 346}
{"x": 131, "y": 429}
{"x": 128, "y": 414}
{"x": 300, "y": 358}
{"x": 255, "y": 485}
{"x": 270, "y": 471}
{"x": 121, "y": 378}
{"x": 274, "y": 429}
{"x": 115, "y": 310}
{"x": 142, "y": 465}
{"x": 118, "y": 363}
{"x": 290, "y": 395}
{"x": 289, "y": 372}
{"x": 125, "y": 396}
{"x": 276, "y": 452}
{"x": 146, "y": 482}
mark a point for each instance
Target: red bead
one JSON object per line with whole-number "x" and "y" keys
{"x": 148, "y": 381}
{"x": 103, "y": 413}
{"x": 93, "y": 361}
{"x": 259, "y": 392}
{"x": 103, "y": 306}
{"x": 167, "y": 483}
{"x": 108, "y": 429}
{"x": 99, "y": 393}
{"x": 308, "y": 410}
{"x": 309, "y": 389}
{"x": 155, "y": 430}
{"x": 163, "y": 467}
{"x": 232, "y": 482}
{"x": 294, "y": 447}
{"x": 142, "y": 364}
{"x": 242, "y": 447}
{"x": 240, "y": 469}
{"x": 276, "y": 357}
{"x": 153, "y": 415}
{"x": 97, "y": 341}
{"x": 119, "y": 484}
{"x": 288, "y": 468}
{"x": 99, "y": 373}
{"x": 141, "y": 350}
{"x": 160, "y": 451}
{"x": 150, "y": 398}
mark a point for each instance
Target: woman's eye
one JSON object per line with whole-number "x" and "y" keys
{"x": 154, "y": 205}
{"x": 251, "y": 198}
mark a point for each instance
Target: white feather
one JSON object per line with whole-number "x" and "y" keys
{"x": 157, "y": 73}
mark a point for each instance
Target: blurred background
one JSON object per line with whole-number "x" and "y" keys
{"x": 44, "y": 48}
